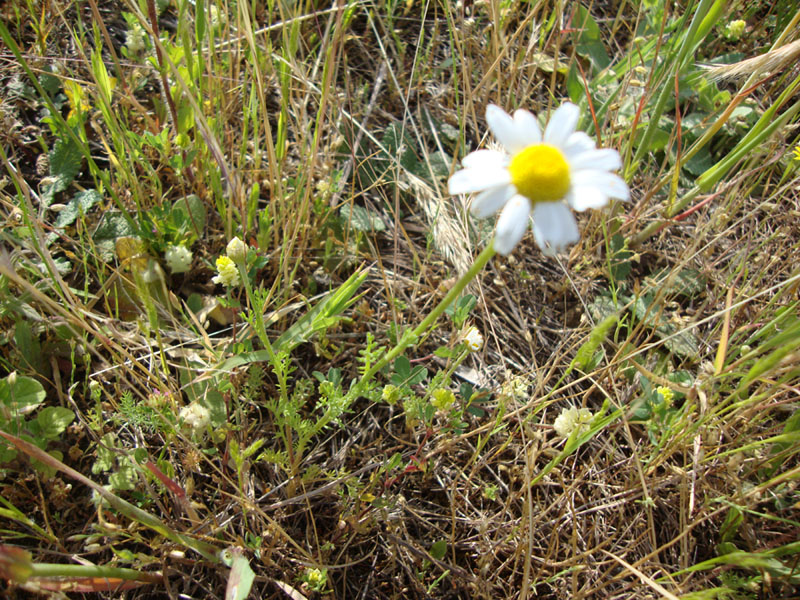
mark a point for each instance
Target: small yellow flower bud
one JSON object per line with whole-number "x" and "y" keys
{"x": 666, "y": 394}
{"x": 443, "y": 399}
{"x": 735, "y": 29}
{"x": 391, "y": 394}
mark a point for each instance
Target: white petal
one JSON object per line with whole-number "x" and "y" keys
{"x": 609, "y": 184}
{"x": 562, "y": 125}
{"x": 554, "y": 227}
{"x": 504, "y": 129}
{"x": 605, "y": 159}
{"x": 485, "y": 159}
{"x": 476, "y": 179}
{"x": 528, "y": 127}
{"x": 512, "y": 224}
{"x": 489, "y": 202}
{"x": 585, "y": 197}
{"x": 576, "y": 144}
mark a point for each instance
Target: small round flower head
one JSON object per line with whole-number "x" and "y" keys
{"x": 391, "y": 394}
{"x": 540, "y": 175}
{"x": 473, "y": 339}
{"x": 735, "y": 29}
{"x": 195, "y": 416}
{"x": 135, "y": 38}
{"x": 443, "y": 399}
{"x": 215, "y": 17}
{"x": 573, "y": 419}
{"x": 666, "y": 394}
{"x": 179, "y": 258}
{"x": 228, "y": 272}
{"x": 236, "y": 250}
{"x": 514, "y": 387}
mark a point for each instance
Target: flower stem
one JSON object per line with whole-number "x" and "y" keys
{"x": 410, "y": 337}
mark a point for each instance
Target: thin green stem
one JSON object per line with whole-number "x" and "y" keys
{"x": 98, "y": 571}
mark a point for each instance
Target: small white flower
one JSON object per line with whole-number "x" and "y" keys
{"x": 515, "y": 387}
{"x": 539, "y": 175}
{"x": 228, "y": 272}
{"x": 135, "y": 38}
{"x": 195, "y": 416}
{"x": 236, "y": 250}
{"x": 179, "y": 258}
{"x": 473, "y": 339}
{"x": 215, "y": 18}
{"x": 572, "y": 419}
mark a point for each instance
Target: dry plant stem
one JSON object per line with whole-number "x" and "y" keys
{"x": 411, "y": 337}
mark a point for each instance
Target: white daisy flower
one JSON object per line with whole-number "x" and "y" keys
{"x": 539, "y": 175}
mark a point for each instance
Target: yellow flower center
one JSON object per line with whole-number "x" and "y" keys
{"x": 540, "y": 173}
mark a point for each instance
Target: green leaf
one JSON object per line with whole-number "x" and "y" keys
{"x": 124, "y": 478}
{"x": 361, "y": 219}
{"x": 438, "y": 549}
{"x": 682, "y": 343}
{"x": 215, "y": 402}
{"x": 50, "y": 83}
{"x": 53, "y": 420}
{"x": 700, "y": 162}
{"x": 444, "y": 352}
{"x": 113, "y": 225}
{"x": 659, "y": 138}
{"x": 323, "y": 315}
{"x": 402, "y": 368}
{"x": 601, "y": 308}
{"x": 241, "y": 577}
{"x": 22, "y": 393}
{"x": 65, "y": 162}
{"x": 730, "y": 526}
{"x": 687, "y": 282}
{"x": 769, "y": 362}
{"x": 575, "y": 87}
{"x": 400, "y": 145}
{"x": 7, "y": 453}
{"x": 105, "y": 454}
{"x": 587, "y": 39}
{"x": 620, "y": 258}
{"x": 189, "y": 215}
{"x": 185, "y": 118}
{"x": 435, "y": 168}
{"x": 77, "y": 207}
{"x": 28, "y": 345}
